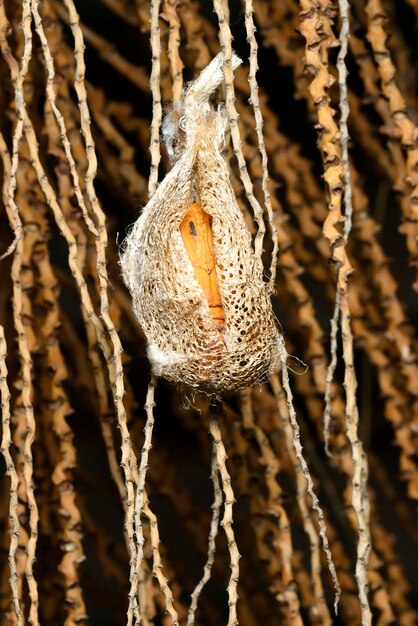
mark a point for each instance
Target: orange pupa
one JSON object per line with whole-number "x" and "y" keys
{"x": 197, "y": 235}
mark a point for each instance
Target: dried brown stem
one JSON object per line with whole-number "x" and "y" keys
{"x": 271, "y": 467}
{"x": 305, "y": 470}
{"x": 408, "y": 132}
{"x": 141, "y": 495}
{"x": 49, "y": 62}
{"x": 156, "y": 96}
{"x": 348, "y": 207}
{"x": 176, "y": 64}
{"x": 157, "y": 568}
{"x": 316, "y": 28}
{"x": 225, "y": 38}
{"x": 109, "y": 53}
{"x": 250, "y": 28}
{"x": 214, "y": 527}
{"x": 308, "y": 525}
{"x": 227, "y": 520}
{"x": 24, "y": 353}
{"x": 14, "y": 480}
{"x": 113, "y": 359}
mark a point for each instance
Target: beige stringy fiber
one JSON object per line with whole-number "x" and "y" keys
{"x": 184, "y": 345}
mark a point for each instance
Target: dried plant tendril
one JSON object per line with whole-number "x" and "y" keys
{"x": 214, "y": 528}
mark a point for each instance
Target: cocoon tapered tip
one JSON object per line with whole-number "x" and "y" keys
{"x": 185, "y": 346}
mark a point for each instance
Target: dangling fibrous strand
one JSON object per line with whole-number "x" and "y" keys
{"x": 225, "y": 38}
{"x": 214, "y": 528}
{"x": 336, "y": 174}
{"x": 255, "y": 102}
{"x": 227, "y": 519}
{"x": 156, "y": 96}
{"x": 6, "y": 442}
{"x": 305, "y": 470}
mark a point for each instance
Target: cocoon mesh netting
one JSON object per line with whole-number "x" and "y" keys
{"x": 184, "y": 345}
